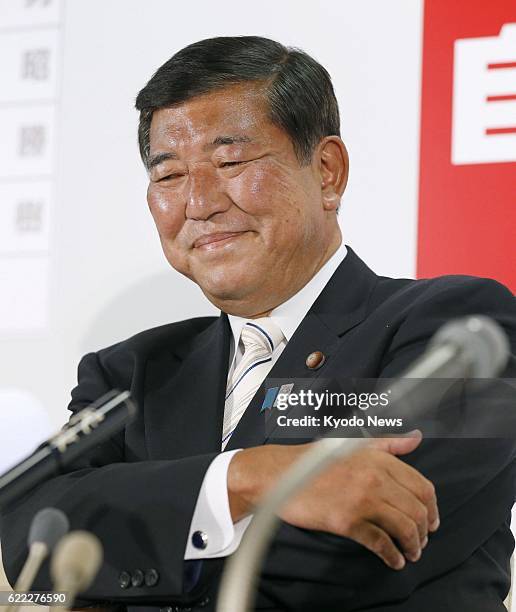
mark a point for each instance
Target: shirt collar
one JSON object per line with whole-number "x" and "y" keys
{"x": 289, "y": 315}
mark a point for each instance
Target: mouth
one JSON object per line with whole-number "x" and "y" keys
{"x": 216, "y": 240}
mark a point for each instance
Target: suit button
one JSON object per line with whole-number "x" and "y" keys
{"x": 137, "y": 578}
{"x": 199, "y": 539}
{"x": 124, "y": 580}
{"x": 151, "y": 577}
{"x": 204, "y": 602}
{"x": 315, "y": 360}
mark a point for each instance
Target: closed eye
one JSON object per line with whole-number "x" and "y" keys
{"x": 232, "y": 163}
{"x": 169, "y": 177}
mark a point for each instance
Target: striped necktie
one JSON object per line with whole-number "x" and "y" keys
{"x": 259, "y": 338}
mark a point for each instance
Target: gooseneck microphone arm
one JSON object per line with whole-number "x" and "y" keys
{"x": 472, "y": 347}
{"x": 85, "y": 429}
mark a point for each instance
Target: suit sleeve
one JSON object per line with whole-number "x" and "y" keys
{"x": 141, "y": 511}
{"x": 474, "y": 480}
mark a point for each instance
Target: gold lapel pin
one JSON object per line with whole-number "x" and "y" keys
{"x": 315, "y": 360}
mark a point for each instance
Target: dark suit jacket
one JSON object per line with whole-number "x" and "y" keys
{"x": 137, "y": 491}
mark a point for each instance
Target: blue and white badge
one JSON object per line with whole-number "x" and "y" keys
{"x": 272, "y": 394}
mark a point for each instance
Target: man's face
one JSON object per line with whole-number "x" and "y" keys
{"x": 235, "y": 211}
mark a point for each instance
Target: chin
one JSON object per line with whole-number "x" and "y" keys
{"x": 226, "y": 287}
{"x": 225, "y": 292}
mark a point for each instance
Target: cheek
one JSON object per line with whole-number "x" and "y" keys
{"x": 277, "y": 203}
{"x": 262, "y": 190}
{"x": 166, "y": 211}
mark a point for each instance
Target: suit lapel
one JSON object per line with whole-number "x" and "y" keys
{"x": 341, "y": 306}
{"x": 184, "y": 405}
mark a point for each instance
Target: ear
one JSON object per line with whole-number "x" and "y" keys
{"x": 333, "y": 170}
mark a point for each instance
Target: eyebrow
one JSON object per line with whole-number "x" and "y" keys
{"x": 227, "y": 140}
{"x": 159, "y": 158}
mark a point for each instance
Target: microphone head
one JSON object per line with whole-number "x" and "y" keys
{"x": 480, "y": 342}
{"x": 48, "y": 526}
{"x": 76, "y": 560}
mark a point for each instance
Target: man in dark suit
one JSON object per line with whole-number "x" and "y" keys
{"x": 240, "y": 137}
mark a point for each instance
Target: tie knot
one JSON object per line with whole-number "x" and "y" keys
{"x": 262, "y": 335}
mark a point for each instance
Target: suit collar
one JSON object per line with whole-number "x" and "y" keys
{"x": 343, "y": 302}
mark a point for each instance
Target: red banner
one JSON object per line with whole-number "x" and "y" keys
{"x": 467, "y": 188}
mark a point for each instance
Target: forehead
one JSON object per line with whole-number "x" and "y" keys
{"x": 237, "y": 109}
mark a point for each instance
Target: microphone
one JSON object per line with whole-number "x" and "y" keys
{"x": 84, "y": 430}
{"x": 474, "y": 346}
{"x": 470, "y": 347}
{"x": 47, "y": 528}
{"x": 75, "y": 563}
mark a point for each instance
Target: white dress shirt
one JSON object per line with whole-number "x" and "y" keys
{"x": 212, "y": 516}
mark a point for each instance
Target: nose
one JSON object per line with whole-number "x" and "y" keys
{"x": 204, "y": 196}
